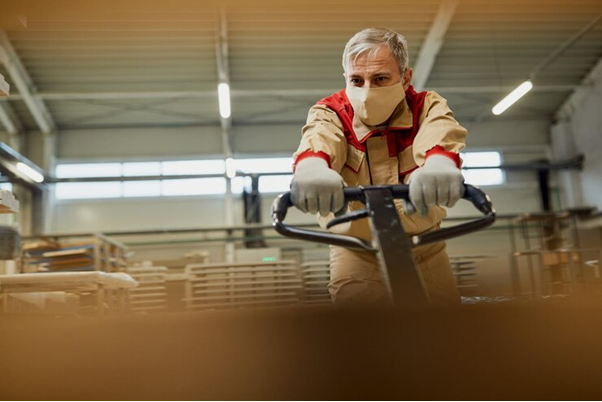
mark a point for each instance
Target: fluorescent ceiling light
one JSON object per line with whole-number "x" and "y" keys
{"x": 230, "y": 168}
{"x": 223, "y": 92}
{"x": 29, "y": 172}
{"x": 512, "y": 97}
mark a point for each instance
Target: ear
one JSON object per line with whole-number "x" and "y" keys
{"x": 407, "y": 79}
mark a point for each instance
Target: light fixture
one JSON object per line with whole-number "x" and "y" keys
{"x": 512, "y": 97}
{"x": 223, "y": 93}
{"x": 230, "y": 168}
{"x": 29, "y": 172}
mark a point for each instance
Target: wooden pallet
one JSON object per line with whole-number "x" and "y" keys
{"x": 109, "y": 289}
{"x": 151, "y": 293}
{"x": 231, "y": 285}
{"x": 96, "y": 254}
{"x": 316, "y": 276}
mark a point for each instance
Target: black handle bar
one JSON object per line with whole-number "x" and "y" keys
{"x": 477, "y": 197}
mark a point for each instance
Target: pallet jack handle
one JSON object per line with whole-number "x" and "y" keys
{"x": 478, "y": 198}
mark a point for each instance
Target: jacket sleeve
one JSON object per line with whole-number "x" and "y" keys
{"x": 323, "y": 136}
{"x": 439, "y": 131}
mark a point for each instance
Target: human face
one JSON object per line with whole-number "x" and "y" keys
{"x": 377, "y": 70}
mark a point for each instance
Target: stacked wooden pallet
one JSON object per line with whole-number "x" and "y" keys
{"x": 465, "y": 268}
{"x": 151, "y": 294}
{"x": 91, "y": 292}
{"x": 96, "y": 254}
{"x": 231, "y": 285}
{"x": 45, "y": 256}
{"x": 316, "y": 275}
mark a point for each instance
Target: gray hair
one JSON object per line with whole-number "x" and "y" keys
{"x": 372, "y": 39}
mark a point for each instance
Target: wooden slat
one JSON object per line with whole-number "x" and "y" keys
{"x": 247, "y": 296}
{"x": 147, "y": 295}
{"x": 195, "y": 286}
{"x": 236, "y": 277}
{"x": 237, "y": 270}
{"x": 249, "y": 303}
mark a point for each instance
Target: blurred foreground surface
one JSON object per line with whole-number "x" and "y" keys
{"x": 546, "y": 349}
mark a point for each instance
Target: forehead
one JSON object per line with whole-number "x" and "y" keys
{"x": 373, "y": 62}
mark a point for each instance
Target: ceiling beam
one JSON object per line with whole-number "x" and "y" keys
{"x": 433, "y": 42}
{"x": 223, "y": 71}
{"x": 574, "y": 101}
{"x": 25, "y": 85}
{"x": 9, "y": 120}
{"x": 4, "y": 87}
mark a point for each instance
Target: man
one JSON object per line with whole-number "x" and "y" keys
{"x": 378, "y": 130}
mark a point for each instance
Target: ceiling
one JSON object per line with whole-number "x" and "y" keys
{"x": 154, "y": 63}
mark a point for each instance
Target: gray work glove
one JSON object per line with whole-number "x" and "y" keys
{"x": 438, "y": 182}
{"x": 317, "y": 188}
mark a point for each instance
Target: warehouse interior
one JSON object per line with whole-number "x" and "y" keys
{"x": 120, "y": 163}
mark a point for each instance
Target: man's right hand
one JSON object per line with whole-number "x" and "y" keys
{"x": 317, "y": 188}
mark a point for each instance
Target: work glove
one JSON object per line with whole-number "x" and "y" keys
{"x": 317, "y": 188}
{"x": 438, "y": 182}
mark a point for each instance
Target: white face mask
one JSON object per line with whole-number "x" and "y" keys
{"x": 375, "y": 105}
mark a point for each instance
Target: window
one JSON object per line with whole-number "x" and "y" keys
{"x": 88, "y": 170}
{"x": 264, "y": 165}
{"x": 73, "y": 191}
{"x": 146, "y": 188}
{"x": 177, "y": 168}
{"x": 488, "y": 173}
{"x": 174, "y": 187}
{"x": 482, "y": 176}
{"x": 275, "y": 184}
{"x": 214, "y": 185}
{"x": 132, "y": 169}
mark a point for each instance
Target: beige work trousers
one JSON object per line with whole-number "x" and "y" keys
{"x": 356, "y": 281}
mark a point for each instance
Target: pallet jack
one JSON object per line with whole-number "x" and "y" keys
{"x": 393, "y": 247}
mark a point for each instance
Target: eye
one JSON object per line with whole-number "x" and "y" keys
{"x": 355, "y": 81}
{"x": 381, "y": 79}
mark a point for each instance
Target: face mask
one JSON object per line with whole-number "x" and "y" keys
{"x": 375, "y": 105}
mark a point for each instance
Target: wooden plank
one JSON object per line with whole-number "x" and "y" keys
{"x": 249, "y": 296}
{"x": 147, "y": 295}
{"x": 227, "y": 271}
{"x": 324, "y": 275}
{"x": 242, "y": 264}
{"x": 146, "y": 302}
{"x": 148, "y": 308}
{"x": 242, "y": 303}
{"x": 233, "y": 284}
{"x": 142, "y": 288}
{"x": 67, "y": 253}
{"x": 64, "y": 264}
{"x": 234, "y": 278}
{"x": 146, "y": 274}
{"x": 41, "y": 245}
{"x": 257, "y": 289}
